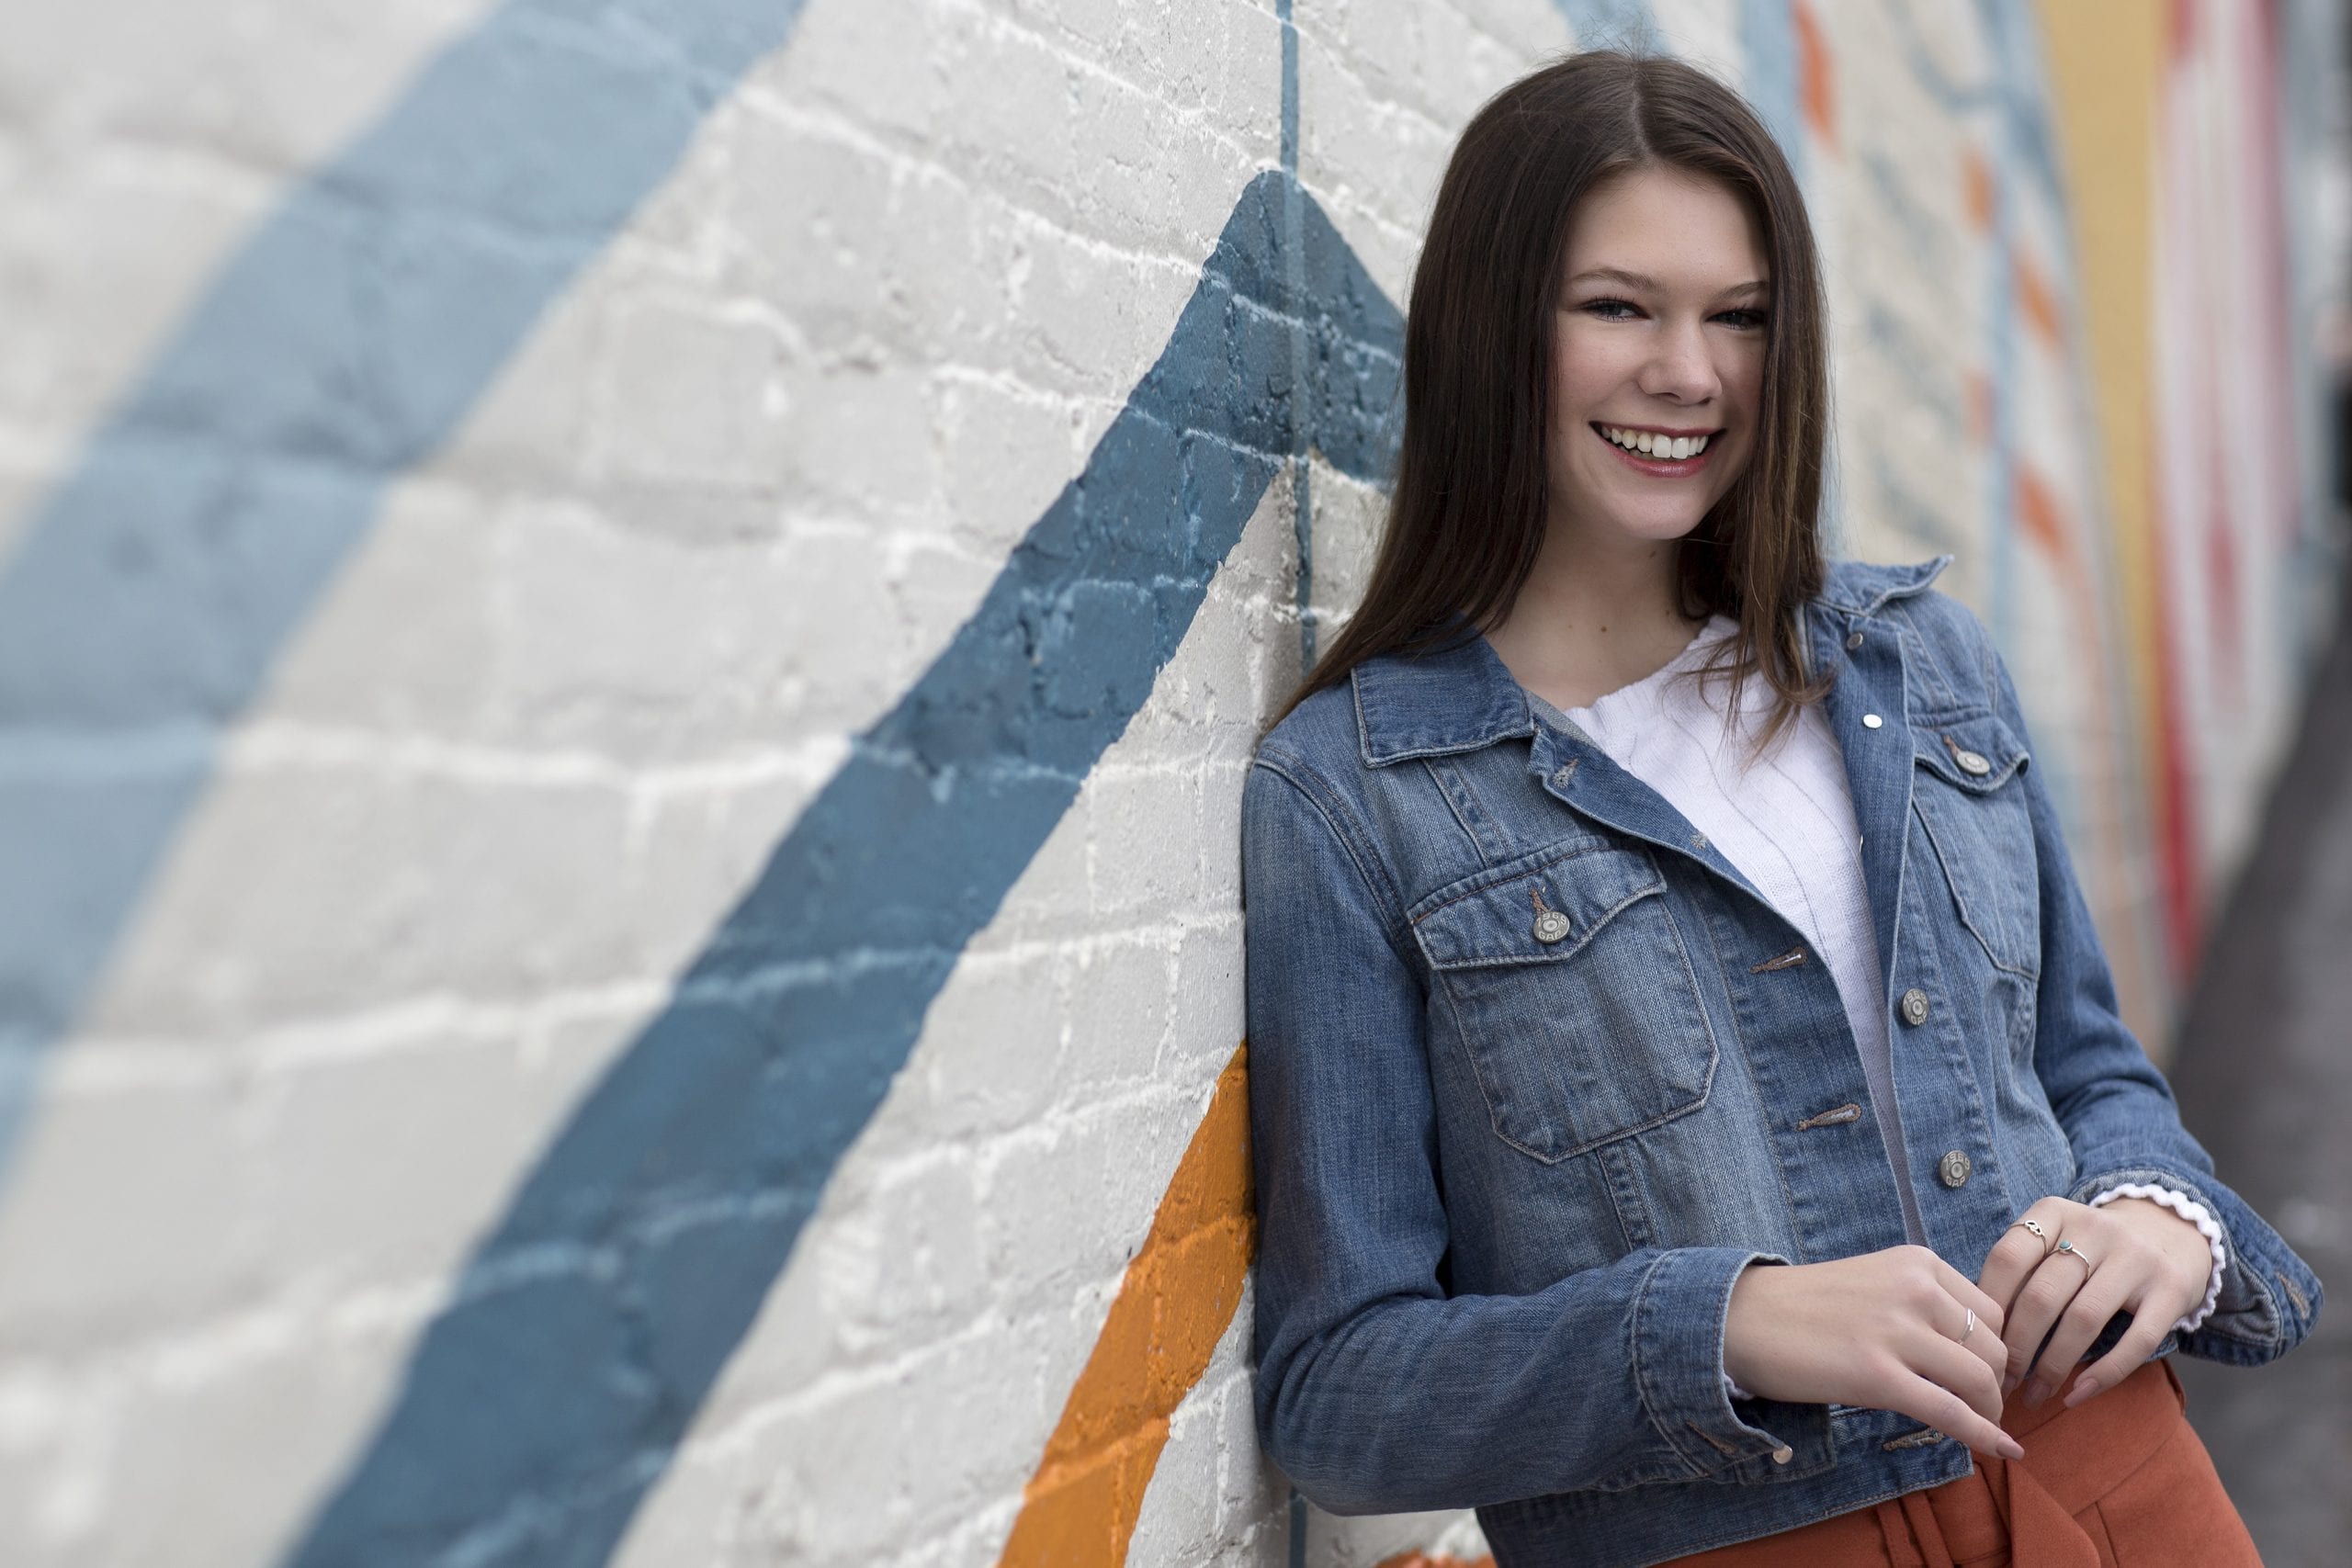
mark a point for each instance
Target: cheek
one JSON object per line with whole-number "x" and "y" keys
{"x": 1584, "y": 373}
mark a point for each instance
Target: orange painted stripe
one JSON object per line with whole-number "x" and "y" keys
{"x": 1977, "y": 189}
{"x": 2040, "y": 301}
{"x": 1816, "y": 78}
{"x": 2042, "y": 522}
{"x": 1174, "y": 1303}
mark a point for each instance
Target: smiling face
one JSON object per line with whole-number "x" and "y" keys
{"x": 1658, "y": 358}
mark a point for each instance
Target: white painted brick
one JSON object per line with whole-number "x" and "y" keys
{"x": 95, "y": 246}
{"x": 1067, "y": 1205}
{"x": 306, "y": 888}
{"x": 1009, "y": 1013}
{"x": 918, "y": 1449}
{"x": 406, "y": 635}
{"x": 376, "y": 1169}
{"x": 1120, "y": 994}
{"x": 1146, "y": 858}
{"x": 116, "y": 1196}
{"x": 690, "y": 398}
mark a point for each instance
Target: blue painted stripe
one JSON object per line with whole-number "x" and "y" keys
{"x": 1768, "y": 36}
{"x": 587, "y": 1331}
{"x": 339, "y": 347}
{"x": 1613, "y": 24}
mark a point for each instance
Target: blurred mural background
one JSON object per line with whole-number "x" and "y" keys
{"x": 628, "y": 634}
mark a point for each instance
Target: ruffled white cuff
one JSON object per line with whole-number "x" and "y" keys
{"x": 1733, "y": 1389}
{"x": 2192, "y": 1211}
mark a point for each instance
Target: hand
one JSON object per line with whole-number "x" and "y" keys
{"x": 2128, "y": 1256}
{"x": 1883, "y": 1330}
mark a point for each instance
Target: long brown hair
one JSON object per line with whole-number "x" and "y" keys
{"x": 1467, "y": 517}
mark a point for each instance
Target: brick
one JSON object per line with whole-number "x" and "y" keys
{"x": 116, "y": 1190}
{"x": 323, "y": 887}
{"x": 404, "y": 636}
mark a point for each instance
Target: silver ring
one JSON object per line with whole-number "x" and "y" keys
{"x": 1972, "y": 1326}
{"x": 2073, "y": 1251}
{"x": 2035, "y": 1226}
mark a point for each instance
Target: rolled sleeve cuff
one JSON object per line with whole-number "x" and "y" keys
{"x": 1678, "y": 1327}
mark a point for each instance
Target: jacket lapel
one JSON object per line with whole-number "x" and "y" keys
{"x": 1878, "y": 757}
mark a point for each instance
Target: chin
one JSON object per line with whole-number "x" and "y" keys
{"x": 1660, "y": 530}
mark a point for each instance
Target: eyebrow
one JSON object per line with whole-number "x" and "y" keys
{"x": 1637, "y": 280}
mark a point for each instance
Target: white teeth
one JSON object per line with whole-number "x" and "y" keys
{"x": 1670, "y": 448}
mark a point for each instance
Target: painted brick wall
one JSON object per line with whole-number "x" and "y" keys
{"x": 628, "y": 634}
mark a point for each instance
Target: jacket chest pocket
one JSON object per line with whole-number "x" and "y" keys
{"x": 1574, "y": 995}
{"x": 1969, "y": 797}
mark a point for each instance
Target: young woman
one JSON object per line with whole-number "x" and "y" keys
{"x": 1692, "y": 1121}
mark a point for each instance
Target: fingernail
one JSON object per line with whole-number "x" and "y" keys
{"x": 2036, "y": 1393}
{"x": 2009, "y": 1381}
{"x": 2017, "y": 1450}
{"x": 2084, "y": 1388}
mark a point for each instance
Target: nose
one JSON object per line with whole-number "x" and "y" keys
{"x": 1681, "y": 368}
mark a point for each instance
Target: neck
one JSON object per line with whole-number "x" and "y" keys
{"x": 1590, "y": 620}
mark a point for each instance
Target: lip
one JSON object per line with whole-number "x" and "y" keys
{"x": 1657, "y": 429}
{"x": 1661, "y": 469}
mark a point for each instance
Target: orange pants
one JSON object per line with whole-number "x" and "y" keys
{"x": 2120, "y": 1482}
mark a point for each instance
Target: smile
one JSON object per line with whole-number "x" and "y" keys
{"x": 1657, "y": 453}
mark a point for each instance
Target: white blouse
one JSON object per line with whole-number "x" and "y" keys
{"x": 1786, "y": 820}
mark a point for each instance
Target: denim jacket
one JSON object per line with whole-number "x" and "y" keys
{"x": 1527, "y": 1091}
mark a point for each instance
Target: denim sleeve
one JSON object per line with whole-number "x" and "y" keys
{"x": 1376, "y": 1389}
{"x": 2120, "y": 1115}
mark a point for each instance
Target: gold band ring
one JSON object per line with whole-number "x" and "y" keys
{"x": 2070, "y": 1250}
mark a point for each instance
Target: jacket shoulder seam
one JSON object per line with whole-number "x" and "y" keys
{"x": 1298, "y": 773}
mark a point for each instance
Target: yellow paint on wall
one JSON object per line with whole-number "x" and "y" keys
{"x": 2106, "y": 61}
{"x": 1178, "y": 1296}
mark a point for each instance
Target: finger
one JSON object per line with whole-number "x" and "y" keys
{"x": 1953, "y": 1416}
{"x": 2101, "y": 1296}
{"x": 1990, "y": 1312}
{"x": 1960, "y": 1369}
{"x": 1987, "y": 1345}
{"x": 2020, "y": 1251}
{"x": 2148, "y": 1329}
{"x": 2046, "y": 1293}
{"x": 1975, "y": 1320}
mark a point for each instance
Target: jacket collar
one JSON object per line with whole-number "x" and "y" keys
{"x": 1464, "y": 698}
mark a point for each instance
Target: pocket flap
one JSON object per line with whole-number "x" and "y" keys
{"x": 1510, "y": 914}
{"x": 1975, "y": 754}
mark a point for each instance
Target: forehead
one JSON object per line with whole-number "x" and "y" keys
{"x": 1668, "y": 224}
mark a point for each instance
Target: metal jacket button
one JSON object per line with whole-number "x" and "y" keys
{"x": 1973, "y": 762}
{"x": 1854, "y": 640}
{"x": 1952, "y": 1169}
{"x": 1915, "y": 1006}
{"x": 1783, "y": 1454}
{"x": 1551, "y": 926}
{"x": 1871, "y": 721}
